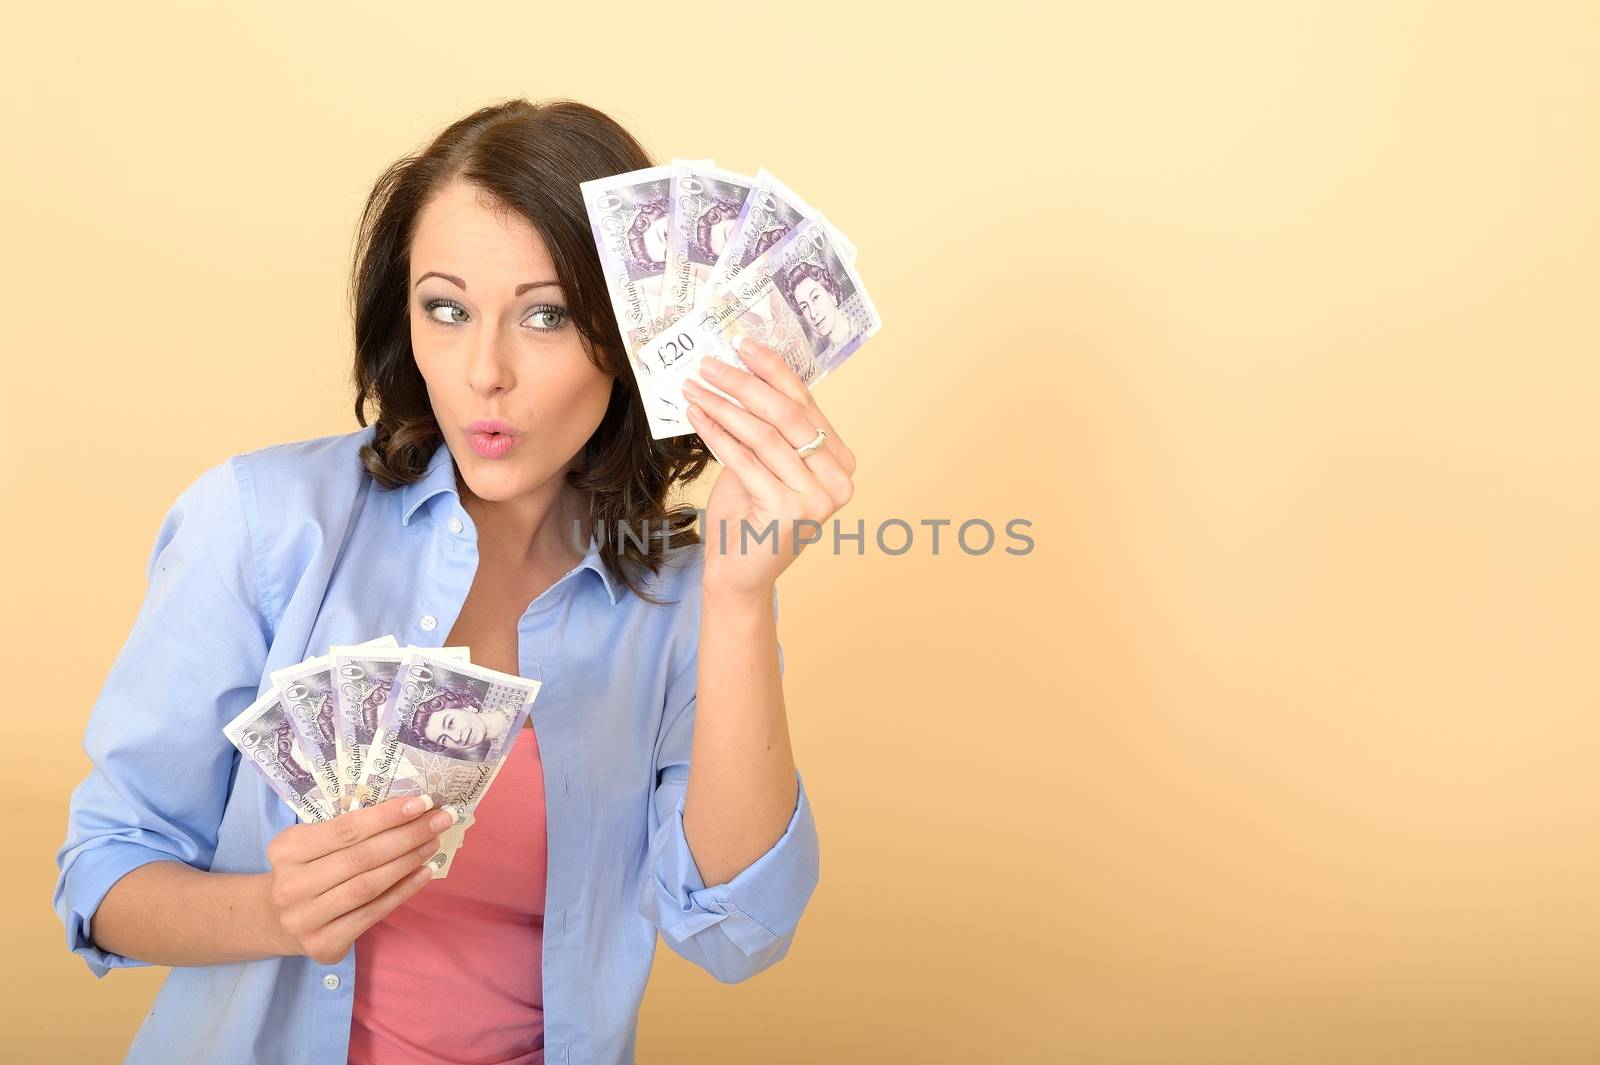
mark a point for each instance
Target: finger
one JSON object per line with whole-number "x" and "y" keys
{"x": 758, "y": 480}
{"x": 760, "y": 435}
{"x": 797, "y": 417}
{"x": 831, "y": 475}
{"x": 791, "y": 420}
{"x": 822, "y": 486}
{"x": 352, "y": 827}
{"x": 783, "y": 401}
{"x": 771, "y": 369}
{"x": 358, "y": 891}
{"x": 368, "y": 854}
{"x": 347, "y": 928}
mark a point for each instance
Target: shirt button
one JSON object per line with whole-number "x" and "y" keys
{"x": 429, "y": 623}
{"x": 455, "y": 525}
{"x": 331, "y": 981}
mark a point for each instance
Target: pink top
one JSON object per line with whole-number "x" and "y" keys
{"x": 453, "y": 975}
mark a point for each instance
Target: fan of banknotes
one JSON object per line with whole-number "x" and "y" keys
{"x": 697, "y": 258}
{"x": 369, "y": 721}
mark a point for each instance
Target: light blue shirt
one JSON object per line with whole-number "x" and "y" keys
{"x": 272, "y": 555}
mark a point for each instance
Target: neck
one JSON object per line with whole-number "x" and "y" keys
{"x": 547, "y": 525}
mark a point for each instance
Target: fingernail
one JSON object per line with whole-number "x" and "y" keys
{"x": 714, "y": 367}
{"x": 422, "y": 875}
{"x": 428, "y": 850}
{"x": 416, "y": 805}
{"x": 442, "y": 820}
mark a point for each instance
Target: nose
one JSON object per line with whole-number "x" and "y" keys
{"x": 490, "y": 361}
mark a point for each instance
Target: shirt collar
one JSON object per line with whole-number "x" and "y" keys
{"x": 440, "y": 476}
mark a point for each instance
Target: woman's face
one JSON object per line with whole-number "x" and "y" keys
{"x": 456, "y": 728}
{"x": 818, "y": 304}
{"x": 492, "y": 339}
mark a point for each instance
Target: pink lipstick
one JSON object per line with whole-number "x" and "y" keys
{"x": 491, "y": 437}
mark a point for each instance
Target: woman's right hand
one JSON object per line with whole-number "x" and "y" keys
{"x": 332, "y": 881}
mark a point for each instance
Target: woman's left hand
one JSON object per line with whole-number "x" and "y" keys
{"x": 765, "y": 488}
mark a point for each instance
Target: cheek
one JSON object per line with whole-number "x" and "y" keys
{"x": 438, "y": 380}
{"x": 575, "y": 382}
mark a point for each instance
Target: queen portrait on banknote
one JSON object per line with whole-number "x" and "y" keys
{"x": 468, "y": 703}
{"x": 451, "y": 723}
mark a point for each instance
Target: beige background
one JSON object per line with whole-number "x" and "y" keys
{"x": 1277, "y": 320}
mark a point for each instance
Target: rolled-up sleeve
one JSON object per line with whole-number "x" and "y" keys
{"x": 160, "y": 765}
{"x": 735, "y": 929}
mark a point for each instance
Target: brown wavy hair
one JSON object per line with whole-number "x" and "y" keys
{"x": 530, "y": 158}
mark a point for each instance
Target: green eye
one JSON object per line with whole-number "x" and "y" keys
{"x": 433, "y": 305}
{"x": 553, "y": 317}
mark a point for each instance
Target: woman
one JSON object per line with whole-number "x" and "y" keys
{"x": 816, "y": 294}
{"x": 450, "y": 724}
{"x": 713, "y": 228}
{"x": 509, "y": 432}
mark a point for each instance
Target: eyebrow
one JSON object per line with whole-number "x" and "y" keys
{"x": 462, "y": 285}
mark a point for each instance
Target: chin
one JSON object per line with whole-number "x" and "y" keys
{"x": 498, "y": 492}
{"x": 493, "y": 481}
